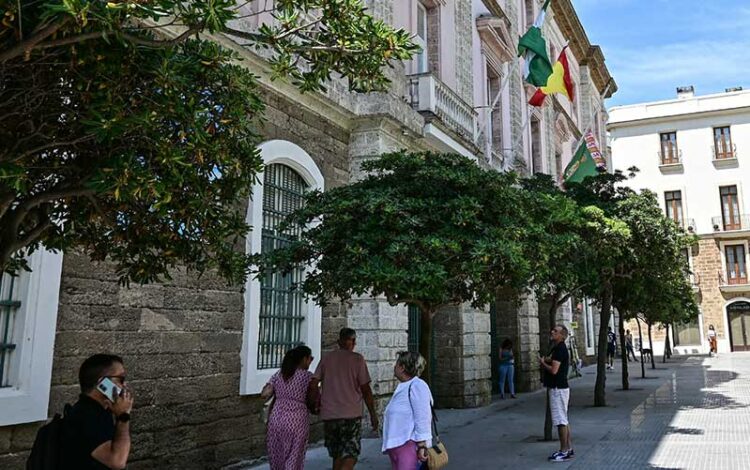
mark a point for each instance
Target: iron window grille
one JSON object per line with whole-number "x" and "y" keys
{"x": 281, "y": 301}
{"x": 8, "y": 309}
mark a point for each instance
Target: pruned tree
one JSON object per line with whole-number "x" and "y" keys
{"x": 656, "y": 266}
{"x": 127, "y": 132}
{"x": 424, "y": 229}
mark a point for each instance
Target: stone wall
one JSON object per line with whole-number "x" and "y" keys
{"x": 180, "y": 340}
{"x": 461, "y": 373}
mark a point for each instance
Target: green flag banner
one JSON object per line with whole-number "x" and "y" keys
{"x": 537, "y": 66}
{"x": 581, "y": 166}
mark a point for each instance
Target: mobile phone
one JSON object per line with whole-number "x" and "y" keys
{"x": 108, "y": 389}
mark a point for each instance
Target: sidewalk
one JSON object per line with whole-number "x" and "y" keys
{"x": 506, "y": 434}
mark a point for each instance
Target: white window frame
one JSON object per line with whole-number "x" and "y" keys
{"x": 286, "y": 153}
{"x": 27, "y": 399}
{"x": 422, "y": 60}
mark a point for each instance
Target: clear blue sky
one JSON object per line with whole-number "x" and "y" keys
{"x": 654, "y": 46}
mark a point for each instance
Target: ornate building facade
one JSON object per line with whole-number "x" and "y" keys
{"x": 198, "y": 352}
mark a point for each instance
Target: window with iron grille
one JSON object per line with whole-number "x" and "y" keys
{"x": 669, "y": 153}
{"x": 281, "y": 301}
{"x": 723, "y": 143}
{"x": 8, "y": 309}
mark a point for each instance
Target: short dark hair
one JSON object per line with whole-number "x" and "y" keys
{"x": 507, "y": 344}
{"x": 93, "y": 369}
{"x": 346, "y": 333}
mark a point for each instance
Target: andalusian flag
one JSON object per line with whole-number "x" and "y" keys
{"x": 534, "y": 49}
{"x": 558, "y": 82}
{"x": 588, "y": 161}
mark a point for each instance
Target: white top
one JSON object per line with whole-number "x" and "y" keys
{"x": 711, "y": 333}
{"x": 406, "y": 420}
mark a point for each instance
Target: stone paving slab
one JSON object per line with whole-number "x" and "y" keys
{"x": 691, "y": 413}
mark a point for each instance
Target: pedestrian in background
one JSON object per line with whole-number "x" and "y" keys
{"x": 407, "y": 425}
{"x": 555, "y": 368}
{"x": 296, "y": 394}
{"x": 611, "y": 348}
{"x": 345, "y": 384}
{"x": 506, "y": 368}
{"x": 712, "y": 340}
{"x": 629, "y": 345}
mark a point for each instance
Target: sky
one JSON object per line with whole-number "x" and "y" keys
{"x": 653, "y": 46}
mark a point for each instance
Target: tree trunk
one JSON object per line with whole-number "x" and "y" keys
{"x": 601, "y": 359}
{"x": 425, "y": 344}
{"x": 548, "y": 420}
{"x": 668, "y": 343}
{"x": 623, "y": 353}
{"x": 651, "y": 345}
{"x": 640, "y": 342}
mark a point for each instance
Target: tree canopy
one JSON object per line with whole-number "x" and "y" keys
{"x": 128, "y": 133}
{"x": 424, "y": 229}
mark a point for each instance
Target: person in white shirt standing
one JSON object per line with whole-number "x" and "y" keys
{"x": 407, "y": 428}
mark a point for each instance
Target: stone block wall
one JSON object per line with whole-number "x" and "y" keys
{"x": 517, "y": 319}
{"x": 181, "y": 340}
{"x": 461, "y": 374}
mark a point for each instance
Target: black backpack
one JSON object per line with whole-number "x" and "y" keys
{"x": 46, "y": 454}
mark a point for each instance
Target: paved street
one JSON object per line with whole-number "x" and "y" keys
{"x": 691, "y": 413}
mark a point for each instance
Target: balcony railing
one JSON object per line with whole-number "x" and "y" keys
{"x": 428, "y": 94}
{"x": 689, "y": 225}
{"x": 727, "y": 154}
{"x": 673, "y": 157}
{"x": 734, "y": 284}
{"x": 741, "y": 222}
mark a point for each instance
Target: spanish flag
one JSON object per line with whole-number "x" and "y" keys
{"x": 558, "y": 82}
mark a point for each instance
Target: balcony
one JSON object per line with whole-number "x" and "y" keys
{"x": 670, "y": 162}
{"x": 726, "y": 159}
{"x": 735, "y": 228}
{"x": 739, "y": 284}
{"x": 689, "y": 225}
{"x": 435, "y": 100}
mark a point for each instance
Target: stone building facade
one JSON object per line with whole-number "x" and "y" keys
{"x": 689, "y": 151}
{"x": 198, "y": 352}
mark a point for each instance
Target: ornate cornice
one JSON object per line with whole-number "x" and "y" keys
{"x": 496, "y": 39}
{"x": 588, "y": 55}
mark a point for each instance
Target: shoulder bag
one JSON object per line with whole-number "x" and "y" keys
{"x": 437, "y": 454}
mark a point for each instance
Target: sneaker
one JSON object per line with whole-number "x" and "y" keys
{"x": 556, "y": 455}
{"x": 571, "y": 453}
{"x": 561, "y": 457}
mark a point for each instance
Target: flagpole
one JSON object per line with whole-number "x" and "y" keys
{"x": 503, "y": 86}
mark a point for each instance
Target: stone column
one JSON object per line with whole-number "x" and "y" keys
{"x": 461, "y": 365}
{"x": 517, "y": 318}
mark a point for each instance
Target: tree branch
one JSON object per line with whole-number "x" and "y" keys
{"x": 245, "y": 35}
{"x": 24, "y": 47}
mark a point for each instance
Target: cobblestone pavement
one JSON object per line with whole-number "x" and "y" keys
{"x": 691, "y": 413}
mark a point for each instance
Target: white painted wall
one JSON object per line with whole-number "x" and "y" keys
{"x": 634, "y": 132}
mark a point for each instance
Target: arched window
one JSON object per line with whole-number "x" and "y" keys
{"x": 281, "y": 314}
{"x": 277, "y": 315}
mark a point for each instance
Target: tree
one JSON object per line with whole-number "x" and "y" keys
{"x": 554, "y": 245}
{"x": 126, "y": 133}
{"x": 607, "y": 238}
{"x": 424, "y": 229}
{"x": 656, "y": 272}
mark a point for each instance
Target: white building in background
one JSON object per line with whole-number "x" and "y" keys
{"x": 693, "y": 152}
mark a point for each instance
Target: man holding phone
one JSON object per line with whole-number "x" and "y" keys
{"x": 555, "y": 367}
{"x": 97, "y": 428}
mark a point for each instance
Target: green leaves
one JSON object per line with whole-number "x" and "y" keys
{"x": 434, "y": 243}
{"x": 138, "y": 146}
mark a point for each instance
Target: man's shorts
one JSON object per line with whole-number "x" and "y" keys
{"x": 610, "y": 350}
{"x": 558, "y": 405}
{"x": 343, "y": 437}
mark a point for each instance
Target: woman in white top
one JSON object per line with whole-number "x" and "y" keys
{"x": 407, "y": 428}
{"x": 712, "y": 340}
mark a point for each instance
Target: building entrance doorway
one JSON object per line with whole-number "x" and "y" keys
{"x": 738, "y": 314}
